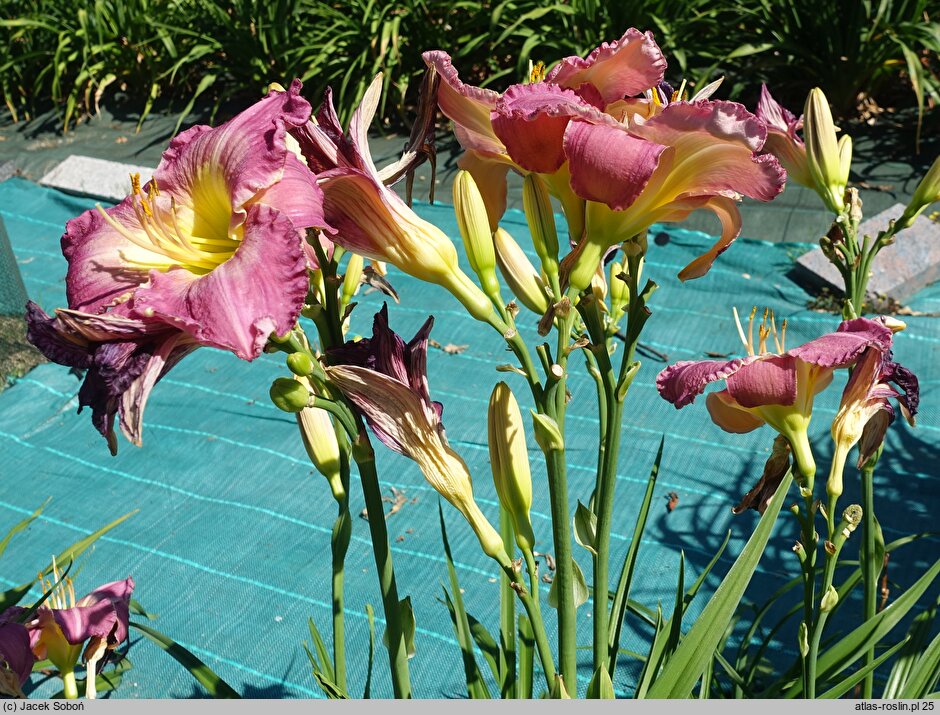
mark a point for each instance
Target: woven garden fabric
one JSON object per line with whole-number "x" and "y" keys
{"x": 230, "y": 541}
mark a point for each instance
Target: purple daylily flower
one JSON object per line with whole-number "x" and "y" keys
{"x": 774, "y": 388}
{"x": 16, "y": 656}
{"x": 386, "y": 379}
{"x": 210, "y": 252}
{"x": 99, "y": 622}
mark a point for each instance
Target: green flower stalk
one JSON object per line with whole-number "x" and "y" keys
{"x": 509, "y": 461}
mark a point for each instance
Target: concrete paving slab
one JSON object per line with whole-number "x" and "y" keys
{"x": 97, "y": 178}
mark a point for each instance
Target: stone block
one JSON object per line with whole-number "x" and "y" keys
{"x": 899, "y": 271}
{"x": 97, "y": 178}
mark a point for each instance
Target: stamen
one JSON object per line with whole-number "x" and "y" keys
{"x": 71, "y": 589}
{"x": 750, "y": 331}
{"x": 763, "y": 333}
{"x": 783, "y": 336}
{"x": 679, "y": 94}
{"x": 773, "y": 327}
{"x": 737, "y": 322}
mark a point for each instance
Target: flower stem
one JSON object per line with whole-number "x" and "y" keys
{"x": 507, "y": 618}
{"x": 69, "y": 686}
{"x": 339, "y": 543}
{"x": 364, "y": 457}
{"x": 870, "y": 568}
{"x": 530, "y": 603}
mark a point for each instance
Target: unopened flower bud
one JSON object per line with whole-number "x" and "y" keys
{"x": 289, "y": 395}
{"x": 353, "y": 277}
{"x": 509, "y": 461}
{"x": 474, "y": 228}
{"x": 926, "y": 193}
{"x": 319, "y": 438}
{"x": 541, "y": 220}
{"x": 823, "y": 155}
{"x": 803, "y": 639}
{"x": 619, "y": 291}
{"x": 523, "y": 280}
{"x": 829, "y": 600}
{"x": 547, "y": 433}
{"x": 300, "y": 364}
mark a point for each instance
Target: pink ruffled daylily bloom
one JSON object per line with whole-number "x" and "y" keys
{"x": 617, "y": 162}
{"x": 612, "y": 71}
{"x": 774, "y": 388}
{"x": 210, "y": 252}
{"x": 782, "y": 138}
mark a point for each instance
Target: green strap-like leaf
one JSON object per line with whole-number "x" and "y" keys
{"x": 601, "y": 687}
{"x": 691, "y": 658}
{"x": 858, "y": 676}
{"x": 925, "y": 674}
{"x": 370, "y": 614}
{"x": 21, "y": 526}
{"x": 203, "y": 674}
{"x": 842, "y": 654}
{"x": 917, "y": 635}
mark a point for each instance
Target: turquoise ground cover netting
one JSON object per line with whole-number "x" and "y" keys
{"x": 230, "y": 542}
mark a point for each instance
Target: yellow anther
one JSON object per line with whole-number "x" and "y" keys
{"x": 536, "y": 72}
{"x": 135, "y": 184}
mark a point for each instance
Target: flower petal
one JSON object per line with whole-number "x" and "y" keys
{"x": 729, "y": 415}
{"x": 103, "y": 613}
{"x": 681, "y": 383}
{"x": 609, "y": 165}
{"x": 715, "y": 145}
{"x": 726, "y": 210}
{"x": 773, "y": 114}
{"x": 618, "y": 69}
{"x": 845, "y": 346}
{"x": 466, "y": 106}
{"x": 218, "y": 309}
{"x": 46, "y": 334}
{"x": 775, "y": 469}
{"x": 15, "y": 655}
{"x": 765, "y": 381}
{"x": 134, "y": 398}
{"x": 219, "y": 170}
{"x": 530, "y": 119}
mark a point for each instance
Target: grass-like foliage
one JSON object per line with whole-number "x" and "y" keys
{"x": 179, "y": 52}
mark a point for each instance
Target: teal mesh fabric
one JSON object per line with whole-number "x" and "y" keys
{"x": 230, "y": 542}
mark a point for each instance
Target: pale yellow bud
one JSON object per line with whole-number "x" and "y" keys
{"x": 823, "y": 155}
{"x": 829, "y": 600}
{"x": 319, "y": 438}
{"x": 523, "y": 280}
{"x": 619, "y": 291}
{"x": 509, "y": 460}
{"x": 541, "y": 219}
{"x": 474, "y": 226}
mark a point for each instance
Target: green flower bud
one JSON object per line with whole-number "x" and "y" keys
{"x": 825, "y": 156}
{"x": 926, "y": 193}
{"x": 547, "y": 433}
{"x": 352, "y": 278}
{"x": 803, "y": 639}
{"x": 474, "y": 228}
{"x": 619, "y": 291}
{"x": 541, "y": 220}
{"x": 829, "y": 600}
{"x": 300, "y": 364}
{"x": 523, "y": 280}
{"x": 289, "y": 395}
{"x": 509, "y": 461}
